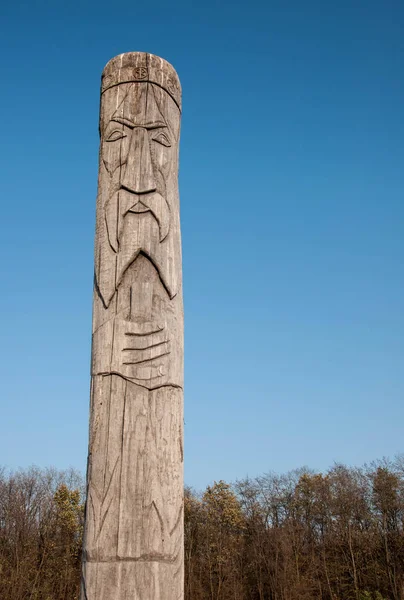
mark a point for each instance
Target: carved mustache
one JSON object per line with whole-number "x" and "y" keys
{"x": 123, "y": 202}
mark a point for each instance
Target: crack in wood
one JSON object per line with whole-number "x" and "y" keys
{"x": 83, "y": 584}
{"x": 122, "y": 444}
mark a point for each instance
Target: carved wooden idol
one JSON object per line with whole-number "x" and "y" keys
{"x": 133, "y": 543}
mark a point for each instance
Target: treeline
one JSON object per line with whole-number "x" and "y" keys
{"x": 300, "y": 536}
{"x": 41, "y": 524}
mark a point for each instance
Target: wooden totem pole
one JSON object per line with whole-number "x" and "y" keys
{"x": 133, "y": 540}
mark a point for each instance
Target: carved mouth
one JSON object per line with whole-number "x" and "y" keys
{"x": 154, "y": 203}
{"x": 139, "y": 207}
{"x": 123, "y": 202}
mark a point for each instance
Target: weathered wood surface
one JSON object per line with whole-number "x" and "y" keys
{"x": 133, "y": 542}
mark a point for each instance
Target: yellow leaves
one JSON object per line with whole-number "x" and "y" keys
{"x": 385, "y": 491}
{"x": 69, "y": 508}
{"x": 222, "y": 506}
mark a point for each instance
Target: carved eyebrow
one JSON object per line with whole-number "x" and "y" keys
{"x": 145, "y": 124}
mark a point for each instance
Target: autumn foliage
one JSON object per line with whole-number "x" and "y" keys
{"x": 300, "y": 536}
{"x": 41, "y": 523}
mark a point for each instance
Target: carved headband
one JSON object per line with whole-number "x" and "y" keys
{"x": 142, "y": 67}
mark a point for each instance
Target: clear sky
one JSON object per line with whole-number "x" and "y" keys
{"x": 292, "y": 199}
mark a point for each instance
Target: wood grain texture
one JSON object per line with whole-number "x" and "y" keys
{"x": 133, "y": 541}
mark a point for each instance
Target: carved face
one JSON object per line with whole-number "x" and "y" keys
{"x": 138, "y": 205}
{"x": 139, "y": 148}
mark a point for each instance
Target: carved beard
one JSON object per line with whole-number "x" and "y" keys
{"x": 123, "y": 202}
{"x": 139, "y": 223}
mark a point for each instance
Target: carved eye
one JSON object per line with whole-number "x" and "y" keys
{"x": 115, "y": 136}
{"x": 162, "y": 138}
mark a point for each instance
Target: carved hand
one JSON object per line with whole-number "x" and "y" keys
{"x": 134, "y": 350}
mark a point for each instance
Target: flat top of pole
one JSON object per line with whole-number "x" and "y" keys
{"x": 142, "y": 67}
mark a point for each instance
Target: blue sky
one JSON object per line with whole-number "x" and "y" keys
{"x": 292, "y": 199}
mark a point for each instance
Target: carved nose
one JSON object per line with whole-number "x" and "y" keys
{"x": 138, "y": 176}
